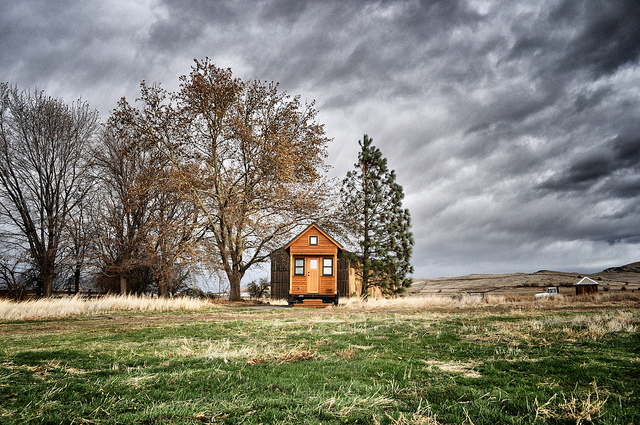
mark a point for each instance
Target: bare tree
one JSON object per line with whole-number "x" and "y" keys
{"x": 172, "y": 243}
{"x": 14, "y": 273}
{"x": 149, "y": 221}
{"x": 79, "y": 238}
{"x": 42, "y": 145}
{"x": 121, "y": 215}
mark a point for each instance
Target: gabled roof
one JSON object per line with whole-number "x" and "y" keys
{"x": 320, "y": 230}
{"x": 586, "y": 281}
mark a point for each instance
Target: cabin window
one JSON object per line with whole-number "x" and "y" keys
{"x": 313, "y": 240}
{"x": 327, "y": 266}
{"x": 298, "y": 269}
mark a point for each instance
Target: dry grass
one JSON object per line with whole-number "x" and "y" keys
{"x": 593, "y": 326}
{"x": 274, "y": 301}
{"x": 63, "y": 307}
{"x": 347, "y": 353}
{"x": 255, "y": 350}
{"x": 621, "y": 321}
{"x": 420, "y": 302}
{"x": 345, "y": 403}
{"x": 295, "y": 355}
{"x": 423, "y": 302}
{"x": 466, "y": 369}
{"x": 578, "y": 407}
{"x": 413, "y": 419}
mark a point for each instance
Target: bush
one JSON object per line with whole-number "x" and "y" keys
{"x": 259, "y": 289}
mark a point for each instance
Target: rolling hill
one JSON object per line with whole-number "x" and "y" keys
{"x": 623, "y": 278}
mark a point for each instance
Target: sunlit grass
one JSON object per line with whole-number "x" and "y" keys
{"x": 330, "y": 366}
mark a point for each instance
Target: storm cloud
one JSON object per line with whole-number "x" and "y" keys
{"x": 513, "y": 126}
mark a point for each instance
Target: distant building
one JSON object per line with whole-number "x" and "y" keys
{"x": 586, "y": 286}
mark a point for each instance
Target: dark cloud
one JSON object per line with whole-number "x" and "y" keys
{"x": 214, "y": 12}
{"x": 170, "y": 35}
{"x": 513, "y": 126}
{"x": 626, "y": 149}
{"x": 590, "y": 100}
{"x": 595, "y": 37}
{"x": 287, "y": 11}
{"x": 608, "y": 36}
{"x": 610, "y": 162}
{"x": 581, "y": 175}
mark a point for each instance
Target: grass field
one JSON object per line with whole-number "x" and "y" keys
{"x": 466, "y": 362}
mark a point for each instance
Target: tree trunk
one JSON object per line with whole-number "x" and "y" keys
{"x": 76, "y": 279}
{"x": 234, "y": 286}
{"x": 163, "y": 288}
{"x": 123, "y": 284}
{"x": 47, "y": 285}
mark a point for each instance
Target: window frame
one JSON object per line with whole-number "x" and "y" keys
{"x": 296, "y": 266}
{"x": 329, "y": 267}
{"x": 311, "y": 238}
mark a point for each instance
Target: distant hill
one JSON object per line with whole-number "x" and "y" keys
{"x": 611, "y": 279}
{"x": 633, "y": 268}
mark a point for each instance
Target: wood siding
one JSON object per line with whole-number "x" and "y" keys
{"x": 298, "y": 285}
{"x": 279, "y": 274}
{"x": 586, "y": 289}
{"x": 343, "y": 276}
{"x": 301, "y": 247}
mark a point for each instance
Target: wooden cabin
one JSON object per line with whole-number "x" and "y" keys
{"x": 312, "y": 270}
{"x": 586, "y": 286}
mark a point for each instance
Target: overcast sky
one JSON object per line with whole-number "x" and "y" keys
{"x": 513, "y": 126}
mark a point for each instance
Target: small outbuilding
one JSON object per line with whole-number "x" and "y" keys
{"x": 586, "y": 286}
{"x": 312, "y": 270}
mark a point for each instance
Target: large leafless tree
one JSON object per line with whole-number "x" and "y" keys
{"x": 43, "y": 142}
{"x": 145, "y": 220}
{"x": 122, "y": 214}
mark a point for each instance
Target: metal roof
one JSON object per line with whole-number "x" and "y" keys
{"x": 586, "y": 281}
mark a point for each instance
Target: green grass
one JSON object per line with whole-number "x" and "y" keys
{"x": 331, "y": 366}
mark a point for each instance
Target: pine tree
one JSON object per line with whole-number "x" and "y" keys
{"x": 376, "y": 222}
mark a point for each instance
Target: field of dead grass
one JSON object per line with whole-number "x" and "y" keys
{"x": 512, "y": 301}
{"x": 45, "y": 308}
{"x": 74, "y": 306}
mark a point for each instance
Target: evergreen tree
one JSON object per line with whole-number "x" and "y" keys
{"x": 376, "y": 222}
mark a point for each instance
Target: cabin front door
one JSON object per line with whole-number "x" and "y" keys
{"x": 313, "y": 275}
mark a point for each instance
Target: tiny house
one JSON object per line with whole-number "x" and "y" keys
{"x": 312, "y": 270}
